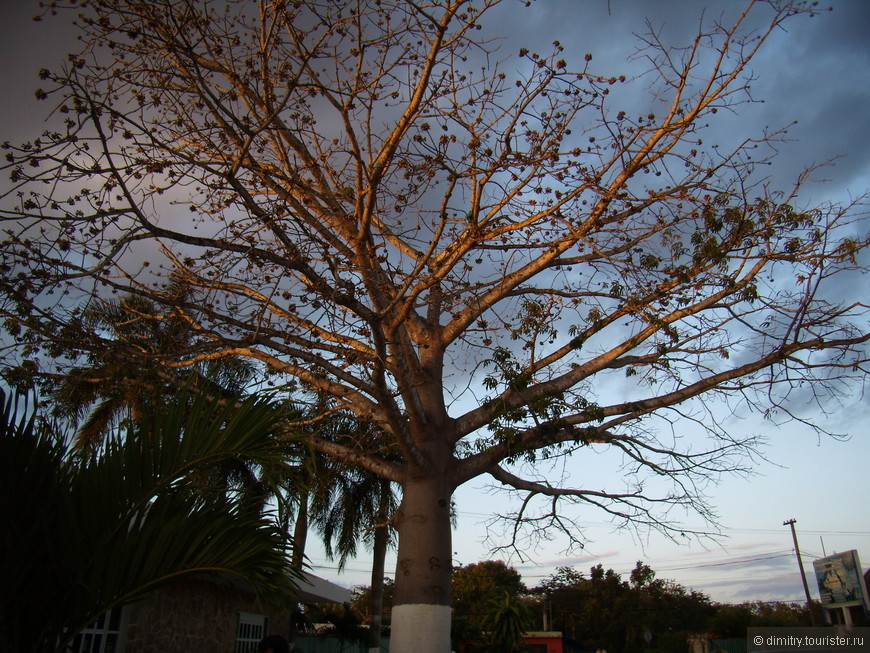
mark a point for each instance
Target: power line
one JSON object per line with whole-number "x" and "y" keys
{"x": 730, "y": 562}
{"x": 772, "y": 531}
{"x": 769, "y": 555}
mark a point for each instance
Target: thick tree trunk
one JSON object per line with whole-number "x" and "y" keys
{"x": 421, "y": 607}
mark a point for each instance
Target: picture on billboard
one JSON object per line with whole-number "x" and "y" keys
{"x": 840, "y": 579}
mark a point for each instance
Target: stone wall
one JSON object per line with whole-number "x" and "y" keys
{"x": 199, "y": 615}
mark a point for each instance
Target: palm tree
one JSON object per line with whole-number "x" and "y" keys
{"x": 346, "y": 505}
{"x": 128, "y": 375}
{"x": 82, "y": 536}
{"x": 124, "y": 378}
{"x": 131, "y": 366}
{"x": 506, "y": 623}
{"x": 134, "y": 367}
{"x": 358, "y": 506}
{"x": 364, "y": 512}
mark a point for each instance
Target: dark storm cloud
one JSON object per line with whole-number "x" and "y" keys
{"x": 814, "y": 71}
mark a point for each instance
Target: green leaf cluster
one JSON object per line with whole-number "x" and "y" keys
{"x": 506, "y": 623}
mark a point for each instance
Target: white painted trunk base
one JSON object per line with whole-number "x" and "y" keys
{"x": 420, "y": 628}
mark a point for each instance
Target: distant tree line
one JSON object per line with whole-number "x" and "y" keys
{"x": 598, "y": 610}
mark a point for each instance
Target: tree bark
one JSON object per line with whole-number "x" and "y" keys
{"x": 300, "y": 533}
{"x": 421, "y": 608}
{"x": 297, "y": 551}
{"x": 379, "y": 550}
{"x": 376, "y": 606}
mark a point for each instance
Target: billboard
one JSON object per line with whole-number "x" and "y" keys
{"x": 840, "y": 579}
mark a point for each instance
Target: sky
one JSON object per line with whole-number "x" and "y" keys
{"x": 816, "y": 72}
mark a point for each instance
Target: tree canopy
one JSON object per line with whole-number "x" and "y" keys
{"x": 605, "y": 611}
{"x": 476, "y": 589}
{"x": 467, "y": 248}
{"x": 104, "y": 391}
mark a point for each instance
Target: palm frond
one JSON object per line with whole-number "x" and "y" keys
{"x": 86, "y": 536}
{"x": 92, "y": 431}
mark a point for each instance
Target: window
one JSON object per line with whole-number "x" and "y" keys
{"x": 252, "y": 628}
{"x": 103, "y": 636}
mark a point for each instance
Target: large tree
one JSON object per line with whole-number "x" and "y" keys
{"x": 371, "y": 199}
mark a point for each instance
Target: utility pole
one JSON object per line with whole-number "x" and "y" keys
{"x": 797, "y": 552}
